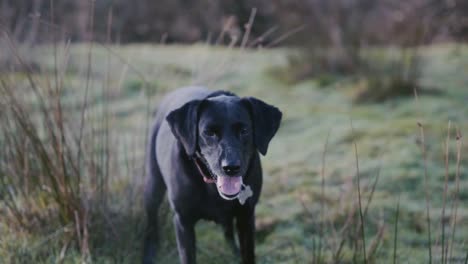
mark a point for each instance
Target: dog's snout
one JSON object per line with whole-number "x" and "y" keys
{"x": 231, "y": 168}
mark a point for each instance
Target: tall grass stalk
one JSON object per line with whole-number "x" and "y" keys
{"x": 456, "y": 194}
{"x": 322, "y": 198}
{"x": 395, "y": 236}
{"x": 358, "y": 177}
{"x": 88, "y": 77}
{"x": 248, "y": 28}
{"x": 105, "y": 114}
{"x": 426, "y": 187}
{"x": 426, "y": 183}
{"x": 444, "y": 201}
{"x": 286, "y": 35}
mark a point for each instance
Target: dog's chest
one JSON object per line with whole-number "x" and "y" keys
{"x": 216, "y": 209}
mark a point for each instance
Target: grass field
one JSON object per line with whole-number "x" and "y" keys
{"x": 325, "y": 138}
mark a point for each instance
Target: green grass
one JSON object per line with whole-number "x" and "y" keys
{"x": 289, "y": 212}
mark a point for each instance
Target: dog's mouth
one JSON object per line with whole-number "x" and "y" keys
{"x": 229, "y": 187}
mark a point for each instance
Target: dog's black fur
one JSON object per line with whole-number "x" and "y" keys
{"x": 228, "y": 132}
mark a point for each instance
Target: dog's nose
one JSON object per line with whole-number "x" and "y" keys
{"x": 231, "y": 169}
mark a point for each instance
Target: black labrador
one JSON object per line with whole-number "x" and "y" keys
{"x": 203, "y": 150}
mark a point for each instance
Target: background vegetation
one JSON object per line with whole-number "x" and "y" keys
{"x": 368, "y": 166}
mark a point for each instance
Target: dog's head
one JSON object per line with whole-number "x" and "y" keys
{"x": 226, "y": 130}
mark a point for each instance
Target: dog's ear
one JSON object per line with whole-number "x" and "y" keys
{"x": 265, "y": 120}
{"x": 184, "y": 122}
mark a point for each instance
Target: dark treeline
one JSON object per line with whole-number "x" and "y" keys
{"x": 326, "y": 22}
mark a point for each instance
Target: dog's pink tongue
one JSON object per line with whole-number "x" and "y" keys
{"x": 229, "y": 185}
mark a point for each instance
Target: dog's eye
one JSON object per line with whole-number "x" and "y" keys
{"x": 210, "y": 132}
{"x": 244, "y": 131}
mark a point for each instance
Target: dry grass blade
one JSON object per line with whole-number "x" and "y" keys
{"x": 361, "y": 217}
{"x": 371, "y": 195}
{"x": 286, "y": 35}
{"x": 395, "y": 236}
{"x": 456, "y": 194}
{"x": 259, "y": 40}
{"x": 344, "y": 232}
{"x": 426, "y": 187}
{"x": 322, "y": 198}
{"x": 372, "y": 250}
{"x": 248, "y": 28}
{"x": 88, "y": 77}
{"x": 444, "y": 202}
{"x": 426, "y": 183}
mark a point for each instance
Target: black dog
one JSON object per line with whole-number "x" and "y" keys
{"x": 203, "y": 150}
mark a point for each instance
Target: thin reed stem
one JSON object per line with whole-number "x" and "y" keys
{"x": 322, "y": 199}
{"x": 444, "y": 202}
{"x": 456, "y": 194}
{"x": 426, "y": 184}
{"x": 286, "y": 35}
{"x": 426, "y": 187}
{"x": 395, "y": 236}
{"x": 359, "y": 195}
{"x": 248, "y": 28}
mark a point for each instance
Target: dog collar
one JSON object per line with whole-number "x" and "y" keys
{"x": 202, "y": 166}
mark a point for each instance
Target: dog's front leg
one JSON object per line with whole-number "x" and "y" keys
{"x": 185, "y": 234}
{"x": 246, "y": 233}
